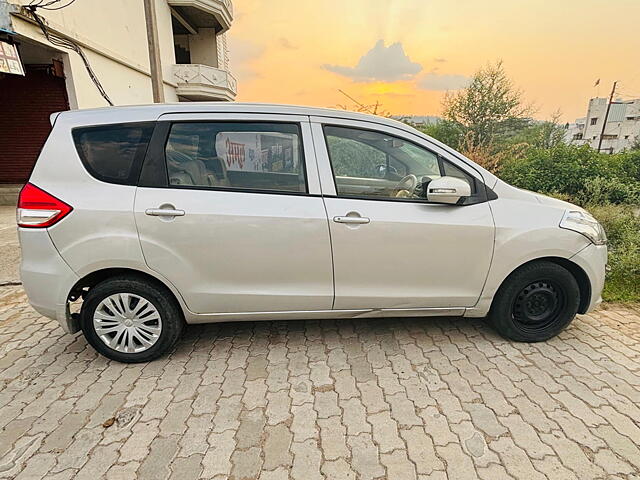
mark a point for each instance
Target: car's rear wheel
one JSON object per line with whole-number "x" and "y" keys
{"x": 129, "y": 319}
{"x": 535, "y": 303}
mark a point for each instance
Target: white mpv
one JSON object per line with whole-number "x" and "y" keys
{"x": 139, "y": 220}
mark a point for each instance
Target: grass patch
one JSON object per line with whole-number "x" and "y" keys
{"x": 622, "y": 224}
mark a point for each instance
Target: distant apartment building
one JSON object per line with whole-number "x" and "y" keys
{"x": 38, "y": 77}
{"x": 417, "y": 119}
{"x": 622, "y": 127}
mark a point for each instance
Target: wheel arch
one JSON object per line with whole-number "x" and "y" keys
{"x": 584, "y": 284}
{"x": 93, "y": 278}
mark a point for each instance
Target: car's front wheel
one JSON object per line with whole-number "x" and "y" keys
{"x": 129, "y": 319}
{"x": 535, "y": 302}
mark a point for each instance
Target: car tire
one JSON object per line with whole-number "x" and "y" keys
{"x": 535, "y": 302}
{"x": 131, "y": 319}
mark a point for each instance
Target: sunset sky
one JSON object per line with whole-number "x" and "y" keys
{"x": 407, "y": 53}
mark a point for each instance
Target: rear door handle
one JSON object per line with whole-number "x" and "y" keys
{"x": 164, "y": 212}
{"x": 352, "y": 220}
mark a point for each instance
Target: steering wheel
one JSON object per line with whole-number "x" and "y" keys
{"x": 406, "y": 186}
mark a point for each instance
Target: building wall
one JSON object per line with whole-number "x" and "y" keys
{"x": 204, "y": 47}
{"x": 114, "y": 38}
{"x": 623, "y": 122}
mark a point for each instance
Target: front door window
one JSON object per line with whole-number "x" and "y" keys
{"x": 376, "y": 165}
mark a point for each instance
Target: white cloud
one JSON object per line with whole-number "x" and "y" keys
{"x": 436, "y": 81}
{"x": 380, "y": 63}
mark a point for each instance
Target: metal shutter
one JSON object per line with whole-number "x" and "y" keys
{"x": 25, "y": 105}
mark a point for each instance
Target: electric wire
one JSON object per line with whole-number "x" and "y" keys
{"x": 624, "y": 93}
{"x": 44, "y": 7}
{"x": 49, "y": 3}
{"x": 63, "y": 42}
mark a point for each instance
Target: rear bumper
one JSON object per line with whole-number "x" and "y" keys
{"x": 593, "y": 260}
{"x": 46, "y": 277}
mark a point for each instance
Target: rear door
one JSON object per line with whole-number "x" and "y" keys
{"x": 229, "y": 210}
{"x": 391, "y": 248}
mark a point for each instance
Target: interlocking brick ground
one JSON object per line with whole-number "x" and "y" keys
{"x": 353, "y": 399}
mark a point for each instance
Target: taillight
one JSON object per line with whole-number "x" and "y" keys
{"x": 37, "y": 208}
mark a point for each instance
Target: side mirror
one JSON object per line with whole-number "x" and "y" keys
{"x": 448, "y": 190}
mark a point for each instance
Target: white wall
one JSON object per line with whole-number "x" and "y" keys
{"x": 114, "y": 35}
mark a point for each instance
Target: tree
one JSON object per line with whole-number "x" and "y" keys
{"x": 357, "y": 106}
{"x": 489, "y": 108}
{"x": 447, "y": 132}
{"x": 546, "y": 134}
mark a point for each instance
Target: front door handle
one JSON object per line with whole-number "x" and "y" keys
{"x": 164, "y": 212}
{"x": 352, "y": 220}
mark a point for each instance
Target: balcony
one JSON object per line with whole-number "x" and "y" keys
{"x": 217, "y": 14}
{"x": 204, "y": 83}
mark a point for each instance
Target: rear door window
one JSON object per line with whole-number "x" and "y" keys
{"x": 113, "y": 153}
{"x": 236, "y": 155}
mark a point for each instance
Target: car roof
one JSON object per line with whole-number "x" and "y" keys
{"x": 158, "y": 109}
{"x": 152, "y": 112}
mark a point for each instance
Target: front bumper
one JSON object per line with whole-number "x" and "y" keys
{"x": 593, "y": 260}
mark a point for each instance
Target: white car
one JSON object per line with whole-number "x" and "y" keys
{"x": 139, "y": 220}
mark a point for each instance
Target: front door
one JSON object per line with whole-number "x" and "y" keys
{"x": 392, "y": 249}
{"x": 231, "y": 220}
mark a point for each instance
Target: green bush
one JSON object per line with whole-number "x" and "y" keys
{"x": 586, "y": 176}
{"x": 562, "y": 169}
{"x": 625, "y": 165}
{"x": 601, "y": 190}
{"x": 622, "y": 224}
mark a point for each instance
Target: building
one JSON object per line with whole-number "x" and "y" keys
{"x": 621, "y": 131}
{"x": 112, "y": 34}
{"x": 417, "y": 119}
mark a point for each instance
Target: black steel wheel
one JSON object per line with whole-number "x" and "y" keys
{"x": 535, "y": 302}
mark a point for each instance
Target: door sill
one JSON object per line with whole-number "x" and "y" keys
{"x": 193, "y": 318}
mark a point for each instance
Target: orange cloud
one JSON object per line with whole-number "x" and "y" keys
{"x": 549, "y": 49}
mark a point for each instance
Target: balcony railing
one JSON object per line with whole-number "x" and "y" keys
{"x": 202, "y": 82}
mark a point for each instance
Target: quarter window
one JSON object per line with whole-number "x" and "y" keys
{"x": 377, "y": 165}
{"x": 113, "y": 153}
{"x": 236, "y": 155}
{"x": 450, "y": 170}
